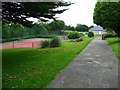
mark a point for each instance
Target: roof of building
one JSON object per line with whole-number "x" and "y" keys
{"x": 97, "y": 28}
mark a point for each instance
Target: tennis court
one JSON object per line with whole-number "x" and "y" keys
{"x": 30, "y": 43}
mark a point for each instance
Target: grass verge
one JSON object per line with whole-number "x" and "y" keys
{"x": 35, "y": 67}
{"x": 115, "y": 43}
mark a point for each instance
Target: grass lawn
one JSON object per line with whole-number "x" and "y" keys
{"x": 35, "y": 67}
{"x": 115, "y": 44}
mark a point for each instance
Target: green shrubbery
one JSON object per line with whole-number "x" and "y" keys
{"x": 41, "y": 30}
{"x": 44, "y": 36}
{"x": 27, "y": 37}
{"x": 90, "y": 34}
{"x": 73, "y": 35}
{"x": 55, "y": 42}
{"x": 45, "y": 44}
{"x": 10, "y": 39}
{"x": 107, "y": 35}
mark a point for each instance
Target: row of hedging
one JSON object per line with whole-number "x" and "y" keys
{"x": 26, "y": 37}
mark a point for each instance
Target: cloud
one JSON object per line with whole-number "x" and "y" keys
{"x": 81, "y": 12}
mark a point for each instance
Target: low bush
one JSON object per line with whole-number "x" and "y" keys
{"x": 55, "y": 42}
{"x": 73, "y": 35}
{"x": 45, "y": 44}
{"x": 108, "y": 35}
{"x": 90, "y": 34}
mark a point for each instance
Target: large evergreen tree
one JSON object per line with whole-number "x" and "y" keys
{"x": 18, "y": 12}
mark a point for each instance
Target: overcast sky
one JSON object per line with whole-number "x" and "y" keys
{"x": 79, "y": 13}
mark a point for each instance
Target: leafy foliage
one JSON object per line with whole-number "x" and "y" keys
{"x": 91, "y": 26}
{"x": 45, "y": 44}
{"x": 82, "y": 28}
{"x": 90, "y": 34}
{"x": 39, "y": 29}
{"x": 68, "y": 27}
{"x": 108, "y": 35}
{"x": 13, "y": 31}
{"x": 6, "y": 31}
{"x": 107, "y": 14}
{"x": 55, "y": 42}
{"x": 16, "y": 31}
{"x": 10, "y": 39}
{"x": 57, "y": 25}
{"x": 73, "y": 35}
{"x": 18, "y": 12}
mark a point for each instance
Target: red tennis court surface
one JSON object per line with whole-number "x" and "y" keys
{"x": 22, "y": 44}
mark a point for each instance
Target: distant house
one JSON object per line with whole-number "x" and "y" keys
{"x": 97, "y": 30}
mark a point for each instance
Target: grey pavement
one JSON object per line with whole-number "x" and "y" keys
{"x": 95, "y": 67}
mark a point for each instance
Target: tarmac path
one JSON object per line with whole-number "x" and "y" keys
{"x": 95, "y": 67}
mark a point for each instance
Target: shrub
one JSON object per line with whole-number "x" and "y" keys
{"x": 107, "y": 35}
{"x": 73, "y": 35}
{"x": 45, "y": 44}
{"x": 55, "y": 42}
{"x": 90, "y": 34}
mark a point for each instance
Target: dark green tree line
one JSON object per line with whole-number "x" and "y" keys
{"x": 57, "y": 25}
{"x": 81, "y": 28}
{"x": 19, "y": 31}
{"x": 68, "y": 27}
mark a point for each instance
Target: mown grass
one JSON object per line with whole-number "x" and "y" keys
{"x": 35, "y": 67}
{"x": 115, "y": 44}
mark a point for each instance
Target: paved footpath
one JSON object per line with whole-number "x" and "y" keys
{"x": 95, "y": 67}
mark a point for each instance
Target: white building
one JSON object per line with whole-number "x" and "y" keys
{"x": 97, "y": 30}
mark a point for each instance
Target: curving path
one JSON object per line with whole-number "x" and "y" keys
{"x": 95, "y": 67}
